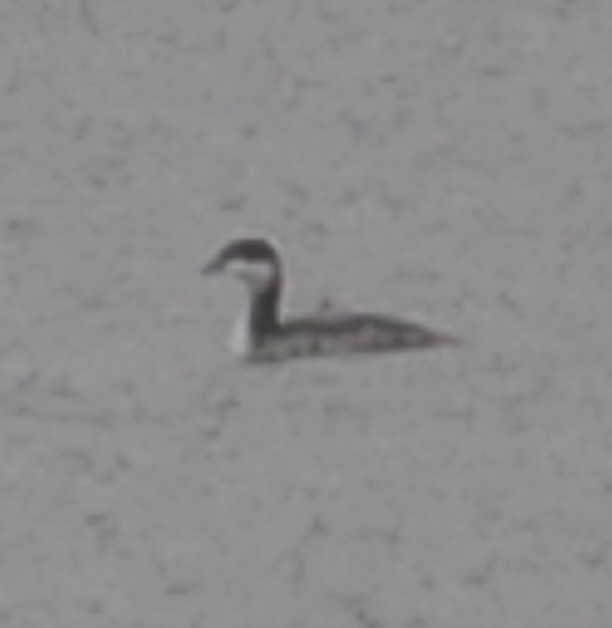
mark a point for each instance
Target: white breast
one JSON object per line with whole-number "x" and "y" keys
{"x": 241, "y": 341}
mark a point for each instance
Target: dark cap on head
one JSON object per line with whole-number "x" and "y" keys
{"x": 247, "y": 249}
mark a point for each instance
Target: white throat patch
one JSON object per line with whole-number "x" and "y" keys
{"x": 257, "y": 275}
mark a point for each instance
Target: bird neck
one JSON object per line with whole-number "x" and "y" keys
{"x": 264, "y": 311}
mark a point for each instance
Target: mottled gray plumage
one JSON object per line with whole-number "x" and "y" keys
{"x": 265, "y": 337}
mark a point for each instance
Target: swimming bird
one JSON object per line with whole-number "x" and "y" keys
{"x": 262, "y": 335}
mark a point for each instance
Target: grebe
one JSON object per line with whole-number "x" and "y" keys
{"x": 261, "y": 335}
